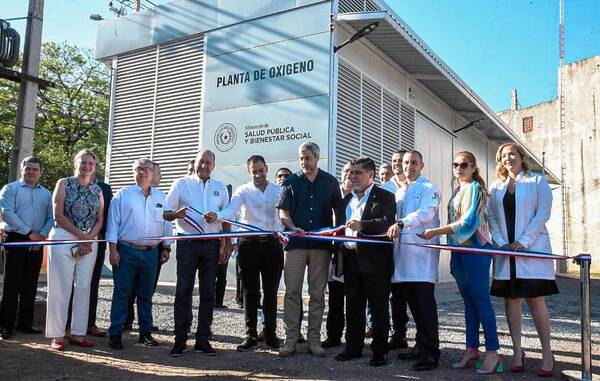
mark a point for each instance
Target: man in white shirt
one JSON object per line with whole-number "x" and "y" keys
{"x": 135, "y": 222}
{"x": 259, "y": 257}
{"x": 399, "y": 308}
{"x": 188, "y": 199}
{"x": 416, "y": 267}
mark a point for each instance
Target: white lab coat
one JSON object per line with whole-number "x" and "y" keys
{"x": 420, "y": 211}
{"x": 533, "y": 204}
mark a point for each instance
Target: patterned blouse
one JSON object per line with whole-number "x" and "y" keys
{"x": 468, "y": 217}
{"x": 82, "y": 204}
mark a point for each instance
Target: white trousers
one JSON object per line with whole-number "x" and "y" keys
{"x": 66, "y": 273}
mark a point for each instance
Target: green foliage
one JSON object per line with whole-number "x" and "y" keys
{"x": 71, "y": 116}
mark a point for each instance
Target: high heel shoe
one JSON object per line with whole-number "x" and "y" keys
{"x": 519, "y": 368}
{"x": 468, "y": 364}
{"x": 498, "y": 368}
{"x": 546, "y": 372}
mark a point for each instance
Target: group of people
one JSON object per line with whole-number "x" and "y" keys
{"x": 362, "y": 276}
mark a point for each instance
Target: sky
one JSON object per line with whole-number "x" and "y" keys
{"x": 493, "y": 45}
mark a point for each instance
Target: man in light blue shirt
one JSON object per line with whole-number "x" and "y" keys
{"x": 135, "y": 224}
{"x": 27, "y": 211}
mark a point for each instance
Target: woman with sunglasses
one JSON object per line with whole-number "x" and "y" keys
{"x": 520, "y": 203}
{"x": 468, "y": 227}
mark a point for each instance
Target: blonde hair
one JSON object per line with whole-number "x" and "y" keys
{"x": 501, "y": 172}
{"x": 82, "y": 153}
{"x": 476, "y": 175}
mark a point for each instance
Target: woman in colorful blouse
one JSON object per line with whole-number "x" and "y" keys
{"x": 78, "y": 215}
{"x": 468, "y": 227}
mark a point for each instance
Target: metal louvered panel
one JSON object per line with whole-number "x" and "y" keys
{"x": 133, "y": 114}
{"x": 371, "y": 120}
{"x": 407, "y": 127}
{"x": 391, "y": 125}
{"x": 178, "y": 107}
{"x": 348, "y": 6}
{"x": 348, "y": 115}
{"x": 370, "y": 6}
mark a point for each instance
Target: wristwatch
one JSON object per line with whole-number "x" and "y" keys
{"x": 401, "y": 224}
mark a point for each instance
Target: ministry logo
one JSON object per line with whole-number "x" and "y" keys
{"x": 225, "y": 137}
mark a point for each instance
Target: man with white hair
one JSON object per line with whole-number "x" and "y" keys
{"x": 308, "y": 201}
{"x": 134, "y": 221}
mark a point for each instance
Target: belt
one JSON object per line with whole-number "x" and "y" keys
{"x": 138, "y": 247}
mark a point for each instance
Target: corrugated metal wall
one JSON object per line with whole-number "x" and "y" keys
{"x": 347, "y": 6}
{"x": 157, "y": 109}
{"x": 371, "y": 121}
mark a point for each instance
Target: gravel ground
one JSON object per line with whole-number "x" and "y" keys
{"x": 29, "y": 357}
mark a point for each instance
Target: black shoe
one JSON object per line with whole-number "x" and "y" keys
{"x": 115, "y": 342}
{"x": 178, "y": 348}
{"x": 425, "y": 362}
{"x": 221, "y": 307}
{"x": 406, "y": 354}
{"x": 204, "y": 347}
{"x": 29, "y": 330}
{"x": 248, "y": 344}
{"x": 273, "y": 342}
{"x": 261, "y": 335}
{"x": 6, "y": 334}
{"x": 397, "y": 341}
{"x": 330, "y": 343}
{"x": 347, "y": 356}
{"x": 147, "y": 339}
{"x": 378, "y": 360}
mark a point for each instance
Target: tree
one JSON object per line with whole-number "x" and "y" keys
{"x": 71, "y": 116}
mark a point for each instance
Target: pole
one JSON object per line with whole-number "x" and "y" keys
{"x": 584, "y": 261}
{"x": 26, "y": 110}
{"x": 562, "y": 265}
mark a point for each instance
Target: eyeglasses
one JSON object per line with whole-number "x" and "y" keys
{"x": 143, "y": 170}
{"x": 463, "y": 165}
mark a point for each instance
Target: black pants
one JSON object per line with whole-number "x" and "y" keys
{"x": 21, "y": 270}
{"x": 260, "y": 258}
{"x": 399, "y": 308}
{"x": 133, "y": 296}
{"x": 421, "y": 300}
{"x": 195, "y": 257}
{"x": 361, "y": 287}
{"x": 221, "y": 283}
{"x": 335, "y": 314}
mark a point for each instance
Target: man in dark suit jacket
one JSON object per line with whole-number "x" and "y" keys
{"x": 367, "y": 267}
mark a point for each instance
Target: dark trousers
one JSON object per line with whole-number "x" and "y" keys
{"x": 421, "y": 300}
{"x": 399, "y": 308}
{"x": 260, "y": 258}
{"x": 221, "y": 283}
{"x": 195, "y": 257}
{"x": 361, "y": 287}
{"x": 21, "y": 270}
{"x": 239, "y": 293}
{"x": 136, "y": 270}
{"x": 335, "y": 314}
{"x": 132, "y": 297}
{"x": 94, "y": 285}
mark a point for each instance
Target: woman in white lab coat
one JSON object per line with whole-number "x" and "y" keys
{"x": 520, "y": 203}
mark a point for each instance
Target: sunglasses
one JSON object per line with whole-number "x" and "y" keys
{"x": 463, "y": 165}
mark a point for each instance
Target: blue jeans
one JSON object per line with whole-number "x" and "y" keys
{"x": 471, "y": 272}
{"x": 136, "y": 270}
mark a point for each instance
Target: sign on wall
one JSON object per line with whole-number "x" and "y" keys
{"x": 270, "y": 94}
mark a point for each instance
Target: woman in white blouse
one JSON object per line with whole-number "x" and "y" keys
{"x": 520, "y": 203}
